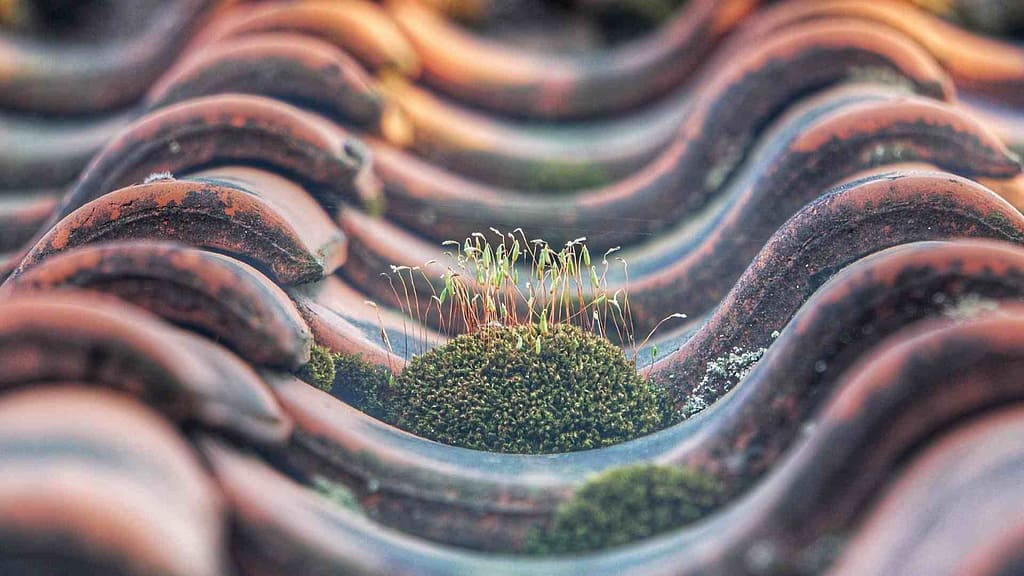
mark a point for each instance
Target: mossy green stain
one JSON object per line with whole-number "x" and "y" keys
{"x": 626, "y": 505}
{"x": 566, "y": 176}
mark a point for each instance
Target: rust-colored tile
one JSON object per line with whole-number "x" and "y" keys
{"x": 502, "y": 78}
{"x": 231, "y": 129}
{"x": 289, "y": 67}
{"x": 982, "y": 65}
{"x": 358, "y": 27}
{"x": 913, "y": 387}
{"x": 887, "y": 312}
{"x": 212, "y": 293}
{"x": 95, "y": 483}
{"x": 130, "y": 47}
{"x": 956, "y": 509}
{"x": 292, "y": 246}
{"x": 106, "y": 342}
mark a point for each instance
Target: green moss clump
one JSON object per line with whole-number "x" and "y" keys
{"x": 319, "y": 371}
{"x": 337, "y": 493}
{"x": 518, "y": 389}
{"x": 626, "y": 505}
{"x": 505, "y": 389}
{"x": 348, "y": 377}
{"x": 362, "y": 384}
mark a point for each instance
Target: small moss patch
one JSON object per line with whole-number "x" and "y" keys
{"x": 518, "y": 389}
{"x": 362, "y": 384}
{"x": 626, "y": 505}
{"x": 558, "y": 176}
{"x": 319, "y": 371}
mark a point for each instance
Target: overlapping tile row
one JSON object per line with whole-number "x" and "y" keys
{"x": 191, "y": 205}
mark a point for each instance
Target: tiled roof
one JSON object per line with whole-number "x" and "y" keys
{"x": 196, "y": 196}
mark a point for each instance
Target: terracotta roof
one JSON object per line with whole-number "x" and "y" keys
{"x": 196, "y": 196}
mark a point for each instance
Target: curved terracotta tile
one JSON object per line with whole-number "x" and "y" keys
{"x": 531, "y": 155}
{"x": 231, "y": 129}
{"x": 296, "y": 69}
{"x": 772, "y": 72}
{"x": 490, "y": 500}
{"x": 691, "y": 270}
{"x": 246, "y": 218}
{"x": 46, "y": 76}
{"x": 1006, "y": 121}
{"x": 358, "y": 27}
{"x": 727, "y": 117}
{"x": 860, "y": 379}
{"x": 957, "y": 509}
{"x": 920, "y": 383}
{"x": 292, "y": 200}
{"x": 338, "y": 334}
{"x": 978, "y": 64}
{"x": 915, "y": 386}
{"x": 848, "y": 223}
{"x": 40, "y": 152}
{"x": 96, "y": 483}
{"x": 103, "y": 341}
{"x": 506, "y": 79}
{"x": 536, "y": 156}
{"x": 281, "y": 528}
{"x": 21, "y": 215}
{"x": 694, "y": 282}
{"x": 211, "y": 293}
{"x": 444, "y": 133}
{"x": 838, "y": 327}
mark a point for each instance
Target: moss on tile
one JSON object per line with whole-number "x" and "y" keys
{"x": 362, "y": 384}
{"x": 519, "y": 389}
{"x": 319, "y": 371}
{"x": 626, "y": 505}
{"x": 563, "y": 176}
{"x": 337, "y": 493}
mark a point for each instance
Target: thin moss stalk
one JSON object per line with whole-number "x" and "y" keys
{"x": 626, "y": 505}
{"x": 509, "y": 279}
{"x": 530, "y": 367}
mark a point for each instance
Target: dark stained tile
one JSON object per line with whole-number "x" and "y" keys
{"x": 194, "y": 195}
